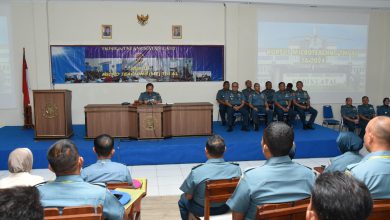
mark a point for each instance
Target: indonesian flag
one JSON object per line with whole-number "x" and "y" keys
{"x": 26, "y": 97}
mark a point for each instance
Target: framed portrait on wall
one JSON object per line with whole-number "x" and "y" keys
{"x": 177, "y": 32}
{"x": 106, "y": 31}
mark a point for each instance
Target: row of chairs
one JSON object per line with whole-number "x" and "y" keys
{"x": 221, "y": 191}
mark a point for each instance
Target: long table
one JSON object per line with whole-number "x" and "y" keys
{"x": 149, "y": 121}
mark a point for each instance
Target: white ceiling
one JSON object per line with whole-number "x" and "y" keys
{"x": 374, "y": 4}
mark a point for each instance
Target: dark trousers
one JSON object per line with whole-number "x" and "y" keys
{"x": 363, "y": 125}
{"x": 261, "y": 110}
{"x": 189, "y": 206}
{"x": 301, "y": 112}
{"x": 350, "y": 125}
{"x": 223, "y": 112}
{"x": 290, "y": 117}
{"x": 231, "y": 118}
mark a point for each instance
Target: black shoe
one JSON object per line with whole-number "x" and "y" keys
{"x": 305, "y": 127}
{"x": 230, "y": 129}
{"x": 256, "y": 127}
{"x": 223, "y": 123}
{"x": 244, "y": 129}
{"x": 310, "y": 127}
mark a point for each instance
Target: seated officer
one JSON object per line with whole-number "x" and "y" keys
{"x": 258, "y": 103}
{"x": 302, "y": 104}
{"x": 269, "y": 92}
{"x": 194, "y": 186}
{"x": 374, "y": 169}
{"x": 349, "y": 145}
{"x": 248, "y": 90}
{"x": 350, "y": 115}
{"x": 236, "y": 102}
{"x": 384, "y": 109}
{"x": 221, "y": 95}
{"x": 278, "y": 180}
{"x": 366, "y": 113}
{"x": 69, "y": 189}
{"x": 104, "y": 170}
{"x": 339, "y": 196}
{"x": 149, "y": 97}
{"x": 282, "y": 101}
{"x": 289, "y": 88}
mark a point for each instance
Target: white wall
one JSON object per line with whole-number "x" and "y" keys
{"x": 37, "y": 24}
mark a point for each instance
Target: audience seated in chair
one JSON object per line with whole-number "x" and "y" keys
{"x": 278, "y": 180}
{"x": 374, "y": 169}
{"x": 349, "y": 145}
{"x": 20, "y": 203}
{"x": 192, "y": 201}
{"x": 384, "y": 110}
{"x": 349, "y": 115}
{"x": 104, "y": 170}
{"x": 69, "y": 189}
{"x": 20, "y": 163}
{"x": 339, "y": 196}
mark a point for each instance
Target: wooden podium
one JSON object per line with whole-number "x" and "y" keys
{"x": 52, "y": 113}
{"x": 150, "y": 121}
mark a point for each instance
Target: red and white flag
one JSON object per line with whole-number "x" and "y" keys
{"x": 26, "y": 96}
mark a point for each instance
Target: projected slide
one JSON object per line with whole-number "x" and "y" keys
{"x": 330, "y": 59}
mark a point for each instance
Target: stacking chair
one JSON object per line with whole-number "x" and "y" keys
{"x": 381, "y": 210}
{"x": 75, "y": 212}
{"x": 328, "y": 117}
{"x": 283, "y": 211}
{"x": 217, "y": 191}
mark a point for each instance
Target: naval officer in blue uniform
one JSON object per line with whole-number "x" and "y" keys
{"x": 194, "y": 185}
{"x": 366, "y": 113}
{"x": 374, "y": 169}
{"x": 259, "y": 105}
{"x": 104, "y": 170}
{"x": 221, "y": 96}
{"x": 349, "y": 114}
{"x": 236, "y": 103}
{"x": 283, "y": 104}
{"x": 69, "y": 189}
{"x": 149, "y": 96}
{"x": 302, "y": 105}
{"x": 384, "y": 109}
{"x": 278, "y": 180}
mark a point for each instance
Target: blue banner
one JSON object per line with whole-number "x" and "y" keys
{"x": 136, "y": 63}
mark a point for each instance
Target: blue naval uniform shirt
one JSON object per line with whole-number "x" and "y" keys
{"x": 155, "y": 96}
{"x": 374, "y": 171}
{"x": 278, "y": 180}
{"x": 246, "y": 92}
{"x": 213, "y": 169}
{"x": 349, "y": 111}
{"x": 270, "y": 94}
{"x": 302, "y": 97}
{"x": 257, "y": 99}
{"x": 366, "y": 110}
{"x": 282, "y": 98}
{"x": 104, "y": 171}
{"x": 222, "y": 94}
{"x": 341, "y": 162}
{"x": 71, "y": 190}
{"x": 383, "y": 110}
{"x": 235, "y": 98}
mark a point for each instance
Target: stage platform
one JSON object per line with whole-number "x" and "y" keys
{"x": 241, "y": 146}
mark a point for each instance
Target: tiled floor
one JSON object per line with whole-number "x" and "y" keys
{"x": 165, "y": 180}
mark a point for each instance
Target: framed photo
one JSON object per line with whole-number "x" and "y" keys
{"x": 176, "y": 32}
{"x": 106, "y": 31}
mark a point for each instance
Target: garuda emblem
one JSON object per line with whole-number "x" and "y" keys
{"x": 142, "y": 19}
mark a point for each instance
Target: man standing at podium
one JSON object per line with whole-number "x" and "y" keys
{"x": 149, "y": 97}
